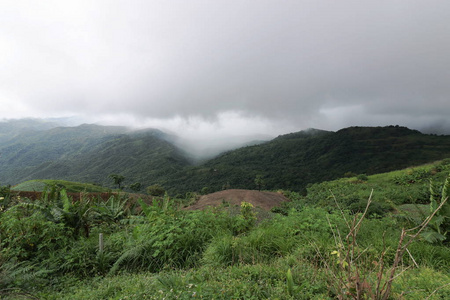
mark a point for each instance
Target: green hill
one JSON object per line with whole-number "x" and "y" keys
{"x": 390, "y": 191}
{"x": 89, "y": 153}
{"x": 294, "y": 160}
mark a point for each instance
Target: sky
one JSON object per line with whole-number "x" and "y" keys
{"x": 203, "y": 68}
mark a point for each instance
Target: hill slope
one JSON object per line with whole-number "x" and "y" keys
{"x": 89, "y": 153}
{"x": 294, "y": 160}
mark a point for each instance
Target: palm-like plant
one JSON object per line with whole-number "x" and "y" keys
{"x": 112, "y": 210}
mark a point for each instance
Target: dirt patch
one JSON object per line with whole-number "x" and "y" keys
{"x": 264, "y": 200}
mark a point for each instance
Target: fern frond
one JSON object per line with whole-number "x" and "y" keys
{"x": 130, "y": 256}
{"x": 65, "y": 200}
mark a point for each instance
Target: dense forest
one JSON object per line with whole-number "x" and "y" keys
{"x": 295, "y": 160}
{"x": 90, "y": 153}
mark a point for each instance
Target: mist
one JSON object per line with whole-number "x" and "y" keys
{"x": 217, "y": 71}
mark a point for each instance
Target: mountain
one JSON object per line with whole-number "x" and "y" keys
{"x": 10, "y": 129}
{"x": 292, "y": 161}
{"x": 90, "y": 153}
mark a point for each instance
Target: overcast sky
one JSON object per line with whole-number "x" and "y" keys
{"x": 228, "y": 67}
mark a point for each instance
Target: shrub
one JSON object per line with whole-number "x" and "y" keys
{"x": 362, "y": 177}
{"x": 353, "y": 273}
{"x": 28, "y": 234}
{"x": 169, "y": 238}
{"x": 245, "y": 220}
{"x": 156, "y": 190}
{"x": 204, "y": 191}
{"x": 274, "y": 238}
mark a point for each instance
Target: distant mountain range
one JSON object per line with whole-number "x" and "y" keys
{"x": 32, "y": 149}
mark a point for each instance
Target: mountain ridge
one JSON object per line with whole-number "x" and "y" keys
{"x": 90, "y": 153}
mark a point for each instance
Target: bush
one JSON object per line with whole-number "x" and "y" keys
{"x": 28, "y": 234}
{"x": 245, "y": 220}
{"x": 362, "y": 177}
{"x": 169, "y": 238}
{"x": 349, "y": 174}
{"x": 156, "y": 190}
{"x": 273, "y": 239}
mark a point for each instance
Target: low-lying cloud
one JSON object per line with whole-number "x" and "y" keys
{"x": 240, "y": 67}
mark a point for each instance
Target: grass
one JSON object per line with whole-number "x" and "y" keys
{"x": 258, "y": 281}
{"x": 392, "y": 189}
{"x": 71, "y": 187}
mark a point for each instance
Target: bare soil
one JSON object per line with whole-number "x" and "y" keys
{"x": 264, "y": 200}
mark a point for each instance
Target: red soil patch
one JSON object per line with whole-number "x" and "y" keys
{"x": 264, "y": 200}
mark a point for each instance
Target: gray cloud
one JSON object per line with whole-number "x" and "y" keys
{"x": 286, "y": 64}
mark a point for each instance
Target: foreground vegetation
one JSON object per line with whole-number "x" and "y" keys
{"x": 340, "y": 240}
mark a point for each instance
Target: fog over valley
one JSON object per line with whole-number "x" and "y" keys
{"x": 219, "y": 71}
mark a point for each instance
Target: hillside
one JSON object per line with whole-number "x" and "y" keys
{"x": 294, "y": 160}
{"x": 11, "y": 129}
{"x": 89, "y": 153}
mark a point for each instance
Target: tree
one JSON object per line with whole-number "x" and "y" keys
{"x": 259, "y": 181}
{"x": 156, "y": 190}
{"x": 118, "y": 179}
{"x": 204, "y": 191}
{"x": 136, "y": 187}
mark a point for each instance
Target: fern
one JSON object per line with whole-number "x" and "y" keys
{"x": 21, "y": 274}
{"x": 66, "y": 201}
{"x": 432, "y": 236}
{"x": 134, "y": 258}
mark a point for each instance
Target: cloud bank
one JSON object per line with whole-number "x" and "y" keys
{"x": 231, "y": 67}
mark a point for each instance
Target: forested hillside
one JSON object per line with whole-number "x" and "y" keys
{"x": 292, "y": 161}
{"x": 90, "y": 153}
